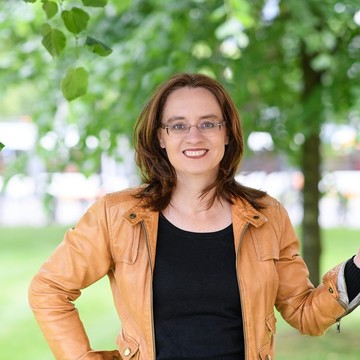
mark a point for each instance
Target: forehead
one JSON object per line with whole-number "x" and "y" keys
{"x": 191, "y": 102}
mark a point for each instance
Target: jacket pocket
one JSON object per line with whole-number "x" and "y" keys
{"x": 266, "y": 245}
{"x": 266, "y": 352}
{"x": 126, "y": 249}
{"x": 128, "y": 347}
{"x": 265, "y": 280}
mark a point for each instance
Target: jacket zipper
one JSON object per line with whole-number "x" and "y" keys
{"x": 238, "y": 279}
{"x": 338, "y": 325}
{"x": 151, "y": 288}
{"x": 347, "y": 312}
{"x": 338, "y": 320}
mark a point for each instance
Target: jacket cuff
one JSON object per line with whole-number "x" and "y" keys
{"x": 343, "y": 294}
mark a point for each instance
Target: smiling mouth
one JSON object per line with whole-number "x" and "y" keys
{"x": 195, "y": 153}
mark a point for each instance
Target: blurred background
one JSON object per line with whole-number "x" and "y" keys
{"x": 293, "y": 69}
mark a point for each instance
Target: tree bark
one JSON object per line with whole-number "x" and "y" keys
{"x": 311, "y": 235}
{"x": 311, "y": 165}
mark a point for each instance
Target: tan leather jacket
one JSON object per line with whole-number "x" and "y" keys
{"x": 117, "y": 237}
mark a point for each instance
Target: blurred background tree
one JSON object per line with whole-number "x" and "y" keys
{"x": 290, "y": 66}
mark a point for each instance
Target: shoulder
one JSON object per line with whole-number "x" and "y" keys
{"x": 271, "y": 212}
{"x": 120, "y": 200}
{"x": 123, "y": 196}
{"x": 273, "y": 209}
{"x": 269, "y": 201}
{"x": 266, "y": 202}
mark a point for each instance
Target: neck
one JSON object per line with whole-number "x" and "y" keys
{"x": 189, "y": 194}
{"x": 190, "y": 211}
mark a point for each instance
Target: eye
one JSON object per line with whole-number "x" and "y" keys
{"x": 178, "y": 126}
{"x": 206, "y": 125}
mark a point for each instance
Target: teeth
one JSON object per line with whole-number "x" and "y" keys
{"x": 194, "y": 153}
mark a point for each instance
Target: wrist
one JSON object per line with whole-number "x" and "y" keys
{"x": 357, "y": 261}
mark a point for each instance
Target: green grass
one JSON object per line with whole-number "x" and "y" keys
{"x": 23, "y": 250}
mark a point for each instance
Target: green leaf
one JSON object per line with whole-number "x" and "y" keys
{"x": 30, "y": 1}
{"x": 75, "y": 20}
{"x": 1, "y": 146}
{"x": 121, "y": 6}
{"x": 53, "y": 40}
{"x": 242, "y": 11}
{"x": 75, "y": 83}
{"x": 97, "y": 47}
{"x": 50, "y": 8}
{"x": 94, "y": 3}
{"x": 45, "y": 29}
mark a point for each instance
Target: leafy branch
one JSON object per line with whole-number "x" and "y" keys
{"x": 1, "y": 146}
{"x": 74, "y": 21}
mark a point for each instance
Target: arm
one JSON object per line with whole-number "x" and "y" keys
{"x": 81, "y": 259}
{"x": 310, "y": 310}
{"x": 357, "y": 259}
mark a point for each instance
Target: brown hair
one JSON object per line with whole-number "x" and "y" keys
{"x": 157, "y": 172}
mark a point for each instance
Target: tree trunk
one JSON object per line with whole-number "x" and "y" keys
{"x": 311, "y": 165}
{"x": 311, "y": 236}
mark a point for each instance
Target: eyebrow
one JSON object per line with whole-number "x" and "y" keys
{"x": 203, "y": 117}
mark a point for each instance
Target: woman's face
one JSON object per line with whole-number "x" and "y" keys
{"x": 196, "y": 152}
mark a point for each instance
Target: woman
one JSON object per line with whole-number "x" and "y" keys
{"x": 196, "y": 261}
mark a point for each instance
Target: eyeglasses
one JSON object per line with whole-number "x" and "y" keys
{"x": 181, "y": 129}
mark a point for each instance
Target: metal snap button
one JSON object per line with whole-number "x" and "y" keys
{"x": 132, "y": 216}
{"x": 127, "y": 351}
{"x": 331, "y": 290}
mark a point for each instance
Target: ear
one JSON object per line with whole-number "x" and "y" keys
{"x": 161, "y": 140}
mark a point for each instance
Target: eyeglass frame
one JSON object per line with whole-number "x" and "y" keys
{"x": 219, "y": 124}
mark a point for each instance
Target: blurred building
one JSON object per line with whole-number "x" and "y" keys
{"x": 36, "y": 197}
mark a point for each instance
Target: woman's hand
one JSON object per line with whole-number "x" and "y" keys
{"x": 357, "y": 259}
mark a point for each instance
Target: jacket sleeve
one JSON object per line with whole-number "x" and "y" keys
{"x": 81, "y": 259}
{"x": 310, "y": 310}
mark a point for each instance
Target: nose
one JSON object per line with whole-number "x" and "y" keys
{"x": 194, "y": 132}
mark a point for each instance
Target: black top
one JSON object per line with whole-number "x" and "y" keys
{"x": 197, "y": 312}
{"x": 352, "y": 279}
